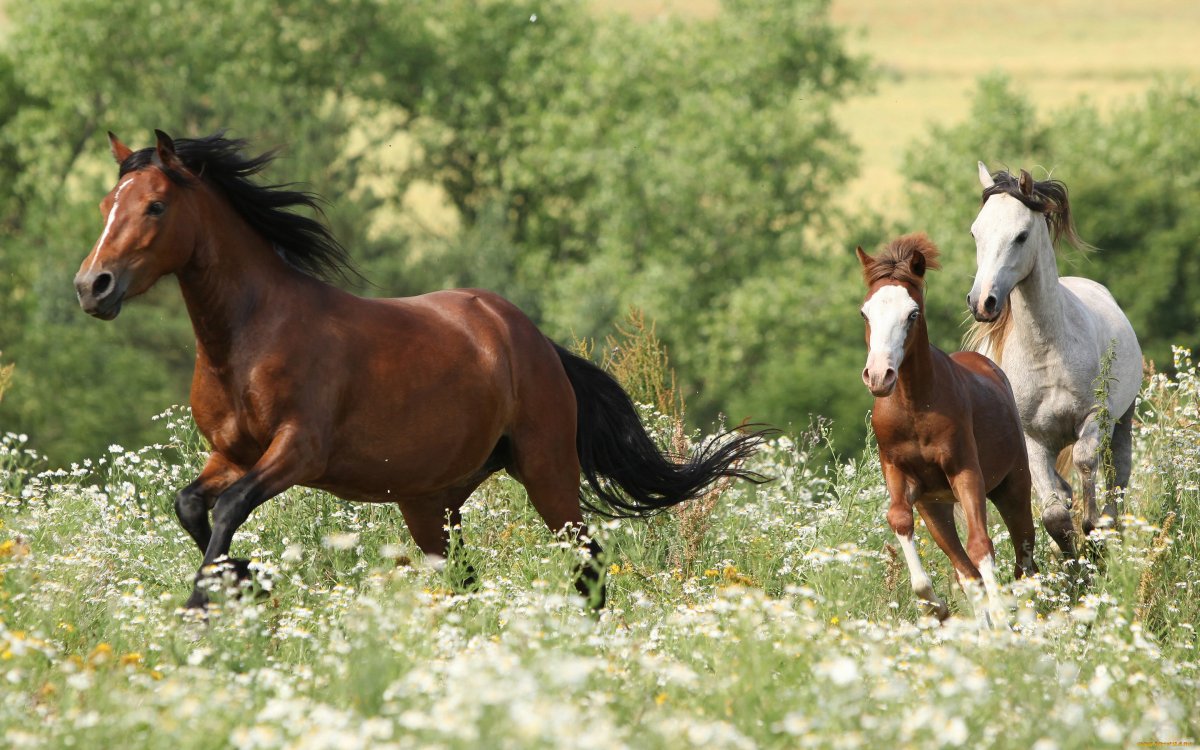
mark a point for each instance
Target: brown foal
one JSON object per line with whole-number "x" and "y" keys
{"x": 947, "y": 426}
{"x": 411, "y": 401}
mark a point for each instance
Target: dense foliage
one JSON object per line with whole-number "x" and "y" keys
{"x": 578, "y": 163}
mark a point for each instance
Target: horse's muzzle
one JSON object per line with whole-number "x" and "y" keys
{"x": 984, "y": 310}
{"x": 100, "y": 294}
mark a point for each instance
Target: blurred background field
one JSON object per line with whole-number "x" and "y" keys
{"x": 931, "y": 52}
{"x": 709, "y": 164}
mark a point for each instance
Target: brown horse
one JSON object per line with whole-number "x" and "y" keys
{"x": 412, "y": 401}
{"x": 947, "y": 426}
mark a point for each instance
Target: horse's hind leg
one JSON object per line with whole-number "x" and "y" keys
{"x": 1122, "y": 456}
{"x": 1054, "y": 496}
{"x": 1012, "y": 500}
{"x": 547, "y": 464}
{"x": 1086, "y": 457}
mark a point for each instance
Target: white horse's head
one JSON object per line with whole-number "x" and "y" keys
{"x": 1012, "y": 228}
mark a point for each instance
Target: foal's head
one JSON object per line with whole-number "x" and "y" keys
{"x": 895, "y": 302}
{"x": 1019, "y": 218}
{"x": 148, "y": 228}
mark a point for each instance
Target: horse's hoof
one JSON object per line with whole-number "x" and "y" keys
{"x": 197, "y": 602}
{"x": 1060, "y": 527}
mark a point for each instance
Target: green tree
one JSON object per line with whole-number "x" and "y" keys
{"x": 1133, "y": 176}
{"x": 590, "y": 163}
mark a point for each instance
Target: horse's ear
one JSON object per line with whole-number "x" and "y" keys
{"x": 1026, "y": 184}
{"x": 164, "y": 149}
{"x": 120, "y": 151}
{"x": 866, "y": 260}
{"x": 917, "y": 264}
{"x": 985, "y": 177}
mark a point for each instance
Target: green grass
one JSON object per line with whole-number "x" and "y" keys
{"x": 786, "y": 622}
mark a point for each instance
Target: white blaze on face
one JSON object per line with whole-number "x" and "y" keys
{"x": 112, "y": 214}
{"x": 1004, "y": 247}
{"x": 890, "y": 312}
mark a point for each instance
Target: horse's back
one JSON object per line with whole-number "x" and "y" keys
{"x": 996, "y": 421}
{"x": 434, "y": 380}
{"x": 1096, "y": 310}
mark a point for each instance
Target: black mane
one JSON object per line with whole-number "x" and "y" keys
{"x": 305, "y": 243}
{"x": 1048, "y": 197}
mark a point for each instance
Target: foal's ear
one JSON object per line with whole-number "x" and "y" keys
{"x": 866, "y": 260}
{"x": 1026, "y": 184}
{"x": 164, "y": 149}
{"x": 985, "y": 177}
{"x": 119, "y": 150}
{"x": 916, "y": 264}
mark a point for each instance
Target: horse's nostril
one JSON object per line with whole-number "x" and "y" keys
{"x": 989, "y": 304}
{"x": 102, "y": 285}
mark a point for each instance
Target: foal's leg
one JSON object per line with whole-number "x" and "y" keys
{"x": 900, "y": 518}
{"x": 292, "y": 458}
{"x": 193, "y": 502}
{"x": 969, "y": 488}
{"x": 1012, "y": 500}
{"x": 1053, "y": 494}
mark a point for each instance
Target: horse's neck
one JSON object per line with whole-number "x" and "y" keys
{"x": 228, "y": 281}
{"x": 1037, "y": 304}
{"x": 915, "y": 380}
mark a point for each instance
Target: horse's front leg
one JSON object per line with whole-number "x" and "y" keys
{"x": 968, "y": 487}
{"x": 193, "y": 502}
{"x": 900, "y": 518}
{"x": 294, "y": 457}
{"x": 1053, "y": 494}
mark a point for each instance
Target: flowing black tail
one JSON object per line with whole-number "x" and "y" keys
{"x": 613, "y": 444}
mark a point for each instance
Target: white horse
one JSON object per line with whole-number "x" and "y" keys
{"x": 1050, "y": 335}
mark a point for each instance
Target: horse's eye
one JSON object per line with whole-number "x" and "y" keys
{"x": 1022, "y": 237}
{"x": 914, "y": 315}
{"x": 156, "y": 208}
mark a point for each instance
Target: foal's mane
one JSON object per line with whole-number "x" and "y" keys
{"x": 895, "y": 261}
{"x": 305, "y": 243}
{"x": 1048, "y": 197}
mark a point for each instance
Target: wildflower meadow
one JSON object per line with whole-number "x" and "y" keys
{"x": 776, "y": 615}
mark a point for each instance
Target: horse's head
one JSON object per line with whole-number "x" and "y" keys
{"x": 146, "y": 228}
{"x": 893, "y": 307}
{"x": 1019, "y": 219}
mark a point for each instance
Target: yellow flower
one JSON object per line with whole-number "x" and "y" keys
{"x": 100, "y": 654}
{"x": 712, "y": 573}
{"x": 834, "y": 620}
{"x": 660, "y": 699}
{"x": 131, "y": 659}
{"x": 614, "y": 569}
